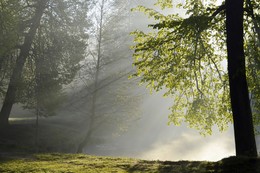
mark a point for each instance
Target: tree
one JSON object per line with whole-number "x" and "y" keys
{"x": 58, "y": 48}
{"x": 55, "y": 46}
{"x": 242, "y": 115}
{"x": 107, "y": 73}
{"x": 17, "y": 72}
{"x": 186, "y": 54}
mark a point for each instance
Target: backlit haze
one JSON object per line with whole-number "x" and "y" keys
{"x": 146, "y": 135}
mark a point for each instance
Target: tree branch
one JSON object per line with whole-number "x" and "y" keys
{"x": 218, "y": 10}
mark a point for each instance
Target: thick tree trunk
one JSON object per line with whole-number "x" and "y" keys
{"x": 15, "y": 79}
{"x": 242, "y": 115}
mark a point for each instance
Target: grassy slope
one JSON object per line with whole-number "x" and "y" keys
{"x": 73, "y": 163}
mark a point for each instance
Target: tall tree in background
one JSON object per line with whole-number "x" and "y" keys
{"x": 17, "y": 72}
{"x": 113, "y": 106}
{"x": 52, "y": 38}
{"x": 186, "y": 55}
{"x": 97, "y": 58}
{"x": 58, "y": 48}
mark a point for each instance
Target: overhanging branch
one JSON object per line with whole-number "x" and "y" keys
{"x": 218, "y": 10}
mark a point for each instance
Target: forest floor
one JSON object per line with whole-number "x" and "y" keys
{"x": 19, "y": 154}
{"x": 79, "y": 163}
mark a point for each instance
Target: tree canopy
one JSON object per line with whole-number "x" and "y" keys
{"x": 52, "y": 52}
{"x": 186, "y": 57}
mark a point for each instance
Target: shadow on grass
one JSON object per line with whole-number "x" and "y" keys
{"x": 17, "y": 138}
{"x": 170, "y": 167}
{"x": 181, "y": 166}
{"x": 48, "y": 137}
{"x": 238, "y": 165}
{"x": 228, "y": 165}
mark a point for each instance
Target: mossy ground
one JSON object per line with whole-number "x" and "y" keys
{"x": 79, "y": 163}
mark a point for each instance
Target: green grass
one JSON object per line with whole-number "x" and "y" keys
{"x": 17, "y": 145}
{"x": 79, "y": 163}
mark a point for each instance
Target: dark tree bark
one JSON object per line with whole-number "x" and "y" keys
{"x": 15, "y": 79}
{"x": 242, "y": 115}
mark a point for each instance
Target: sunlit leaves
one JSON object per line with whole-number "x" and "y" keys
{"x": 186, "y": 57}
{"x": 180, "y": 57}
{"x": 149, "y": 12}
{"x": 164, "y": 3}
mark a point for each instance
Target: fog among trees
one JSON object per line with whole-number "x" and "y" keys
{"x": 75, "y": 77}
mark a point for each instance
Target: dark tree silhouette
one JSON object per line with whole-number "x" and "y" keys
{"x": 183, "y": 44}
{"x": 242, "y": 115}
{"x": 15, "y": 79}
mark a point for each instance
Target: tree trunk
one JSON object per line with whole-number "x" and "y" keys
{"x": 15, "y": 79}
{"x": 242, "y": 115}
{"x": 85, "y": 141}
{"x": 95, "y": 90}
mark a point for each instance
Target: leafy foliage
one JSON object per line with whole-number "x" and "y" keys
{"x": 186, "y": 57}
{"x": 9, "y": 28}
{"x": 57, "y": 49}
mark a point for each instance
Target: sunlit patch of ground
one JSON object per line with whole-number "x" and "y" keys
{"x": 21, "y": 120}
